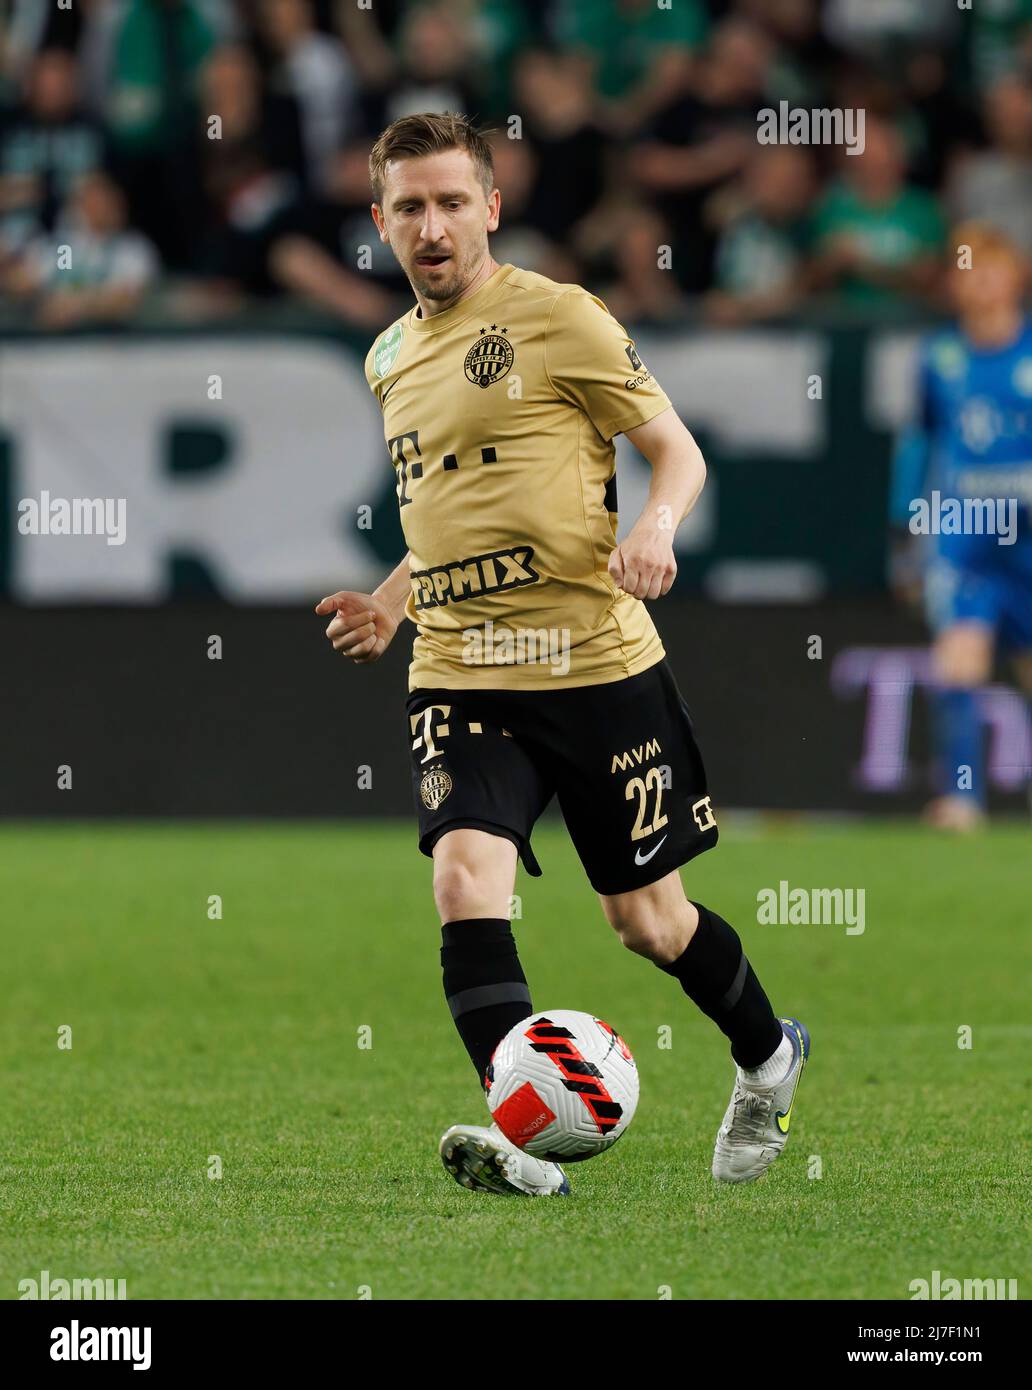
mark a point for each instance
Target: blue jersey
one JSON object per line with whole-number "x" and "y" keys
{"x": 973, "y": 440}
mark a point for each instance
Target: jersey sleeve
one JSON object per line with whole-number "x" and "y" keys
{"x": 591, "y": 362}
{"x": 372, "y": 380}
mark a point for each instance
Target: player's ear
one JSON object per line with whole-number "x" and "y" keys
{"x": 494, "y": 208}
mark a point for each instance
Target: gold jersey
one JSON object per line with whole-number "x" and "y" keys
{"x": 499, "y": 416}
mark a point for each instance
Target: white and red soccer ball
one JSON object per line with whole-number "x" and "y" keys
{"x": 562, "y": 1085}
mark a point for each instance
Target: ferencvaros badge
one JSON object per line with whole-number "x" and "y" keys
{"x": 489, "y": 358}
{"x": 434, "y": 787}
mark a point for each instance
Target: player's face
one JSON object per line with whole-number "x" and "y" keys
{"x": 993, "y": 282}
{"x": 436, "y": 218}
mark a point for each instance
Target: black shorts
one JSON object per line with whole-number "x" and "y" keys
{"x": 621, "y": 758}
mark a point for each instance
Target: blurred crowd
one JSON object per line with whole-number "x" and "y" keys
{"x": 212, "y": 154}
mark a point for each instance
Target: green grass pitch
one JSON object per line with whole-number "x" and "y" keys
{"x": 240, "y": 1038}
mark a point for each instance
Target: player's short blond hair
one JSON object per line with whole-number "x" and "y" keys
{"x": 988, "y": 242}
{"x": 430, "y": 132}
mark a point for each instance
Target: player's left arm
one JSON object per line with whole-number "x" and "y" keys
{"x": 587, "y": 356}
{"x": 643, "y": 563}
{"x": 911, "y": 463}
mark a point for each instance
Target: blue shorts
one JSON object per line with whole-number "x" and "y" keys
{"x": 999, "y": 596}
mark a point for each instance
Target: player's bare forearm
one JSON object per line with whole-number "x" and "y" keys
{"x": 394, "y": 591}
{"x": 643, "y": 563}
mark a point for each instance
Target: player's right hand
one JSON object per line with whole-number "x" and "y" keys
{"x": 361, "y": 628}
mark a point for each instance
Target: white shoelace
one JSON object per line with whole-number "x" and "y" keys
{"x": 749, "y": 1116}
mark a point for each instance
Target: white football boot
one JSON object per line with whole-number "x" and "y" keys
{"x": 756, "y": 1122}
{"x": 482, "y": 1159}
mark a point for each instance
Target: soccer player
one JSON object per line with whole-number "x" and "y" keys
{"x": 537, "y": 670}
{"x": 970, "y": 454}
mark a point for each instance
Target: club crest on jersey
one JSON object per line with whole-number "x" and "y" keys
{"x": 489, "y": 358}
{"x": 434, "y": 786}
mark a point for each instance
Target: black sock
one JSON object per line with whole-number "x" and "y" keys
{"x": 484, "y": 984}
{"x": 715, "y": 975}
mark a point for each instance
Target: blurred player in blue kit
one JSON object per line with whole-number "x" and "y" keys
{"x": 963, "y": 480}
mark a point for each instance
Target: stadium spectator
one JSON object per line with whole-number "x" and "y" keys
{"x": 437, "y": 64}
{"x": 314, "y": 69}
{"x": 30, "y": 27}
{"x": 1000, "y": 177}
{"x": 249, "y": 115}
{"x": 643, "y": 290}
{"x": 368, "y": 36}
{"x": 999, "y": 40}
{"x": 803, "y": 54}
{"x": 943, "y": 121}
{"x": 93, "y": 268}
{"x": 252, "y": 204}
{"x": 638, "y": 132}
{"x": 45, "y": 146}
{"x": 878, "y": 239}
{"x": 554, "y": 96}
{"x": 765, "y": 237}
{"x": 502, "y": 32}
{"x": 702, "y": 140}
{"x": 635, "y": 53}
{"x": 158, "y": 50}
{"x": 875, "y": 31}
{"x": 517, "y": 241}
{"x": 329, "y": 254}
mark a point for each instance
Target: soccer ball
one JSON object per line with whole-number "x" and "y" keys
{"x": 562, "y": 1085}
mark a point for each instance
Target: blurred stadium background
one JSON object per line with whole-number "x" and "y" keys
{"x": 203, "y": 358}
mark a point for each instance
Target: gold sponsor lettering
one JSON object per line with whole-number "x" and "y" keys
{"x": 634, "y": 757}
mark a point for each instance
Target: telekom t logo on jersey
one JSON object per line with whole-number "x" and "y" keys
{"x": 406, "y": 453}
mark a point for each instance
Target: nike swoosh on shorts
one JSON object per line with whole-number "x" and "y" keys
{"x": 639, "y": 859}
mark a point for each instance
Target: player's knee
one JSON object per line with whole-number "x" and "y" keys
{"x": 961, "y": 672}
{"x": 963, "y": 658}
{"x": 457, "y": 892}
{"x": 465, "y": 890}
{"x": 656, "y": 921}
{"x": 643, "y": 936}
{"x": 473, "y": 875}
{"x": 637, "y": 924}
